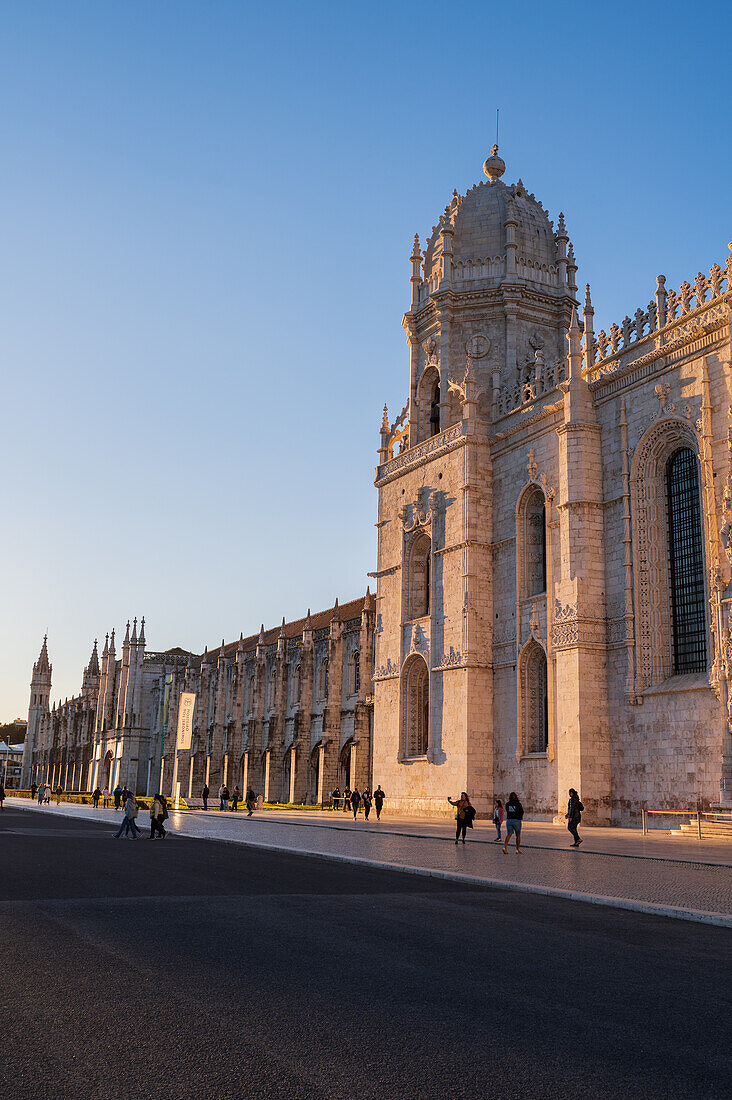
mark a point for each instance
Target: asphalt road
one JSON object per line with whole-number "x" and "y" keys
{"x": 189, "y": 968}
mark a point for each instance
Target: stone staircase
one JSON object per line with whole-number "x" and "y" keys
{"x": 714, "y": 826}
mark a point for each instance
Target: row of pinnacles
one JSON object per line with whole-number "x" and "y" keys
{"x": 663, "y": 310}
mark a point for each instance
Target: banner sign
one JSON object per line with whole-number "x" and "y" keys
{"x": 185, "y": 719}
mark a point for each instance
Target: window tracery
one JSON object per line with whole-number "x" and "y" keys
{"x": 533, "y": 702}
{"x": 415, "y": 696}
{"x": 668, "y": 527}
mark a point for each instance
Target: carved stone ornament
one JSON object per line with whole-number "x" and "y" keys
{"x": 453, "y": 659}
{"x": 478, "y": 345}
{"x": 419, "y": 513}
{"x": 532, "y": 470}
{"x": 429, "y": 347}
{"x": 387, "y": 671}
{"x": 418, "y": 642}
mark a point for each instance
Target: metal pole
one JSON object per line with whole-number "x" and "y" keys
{"x": 698, "y": 822}
{"x": 643, "y": 819}
{"x": 166, "y": 700}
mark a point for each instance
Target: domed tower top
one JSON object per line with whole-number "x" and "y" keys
{"x": 496, "y": 233}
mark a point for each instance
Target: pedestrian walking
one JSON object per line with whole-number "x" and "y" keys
{"x": 128, "y": 818}
{"x": 105, "y": 798}
{"x": 574, "y": 816}
{"x": 346, "y": 798}
{"x": 34, "y": 790}
{"x": 117, "y": 792}
{"x": 367, "y": 800}
{"x": 498, "y": 815}
{"x": 514, "y": 817}
{"x": 58, "y": 792}
{"x": 355, "y": 801}
{"x": 464, "y": 816}
{"x": 2, "y": 796}
{"x": 47, "y": 795}
{"x": 204, "y": 795}
{"x": 379, "y": 797}
{"x": 335, "y": 797}
{"x": 251, "y": 801}
{"x": 235, "y": 799}
{"x": 125, "y": 795}
{"x": 157, "y": 810}
{"x": 96, "y": 795}
{"x": 222, "y": 804}
{"x": 41, "y": 793}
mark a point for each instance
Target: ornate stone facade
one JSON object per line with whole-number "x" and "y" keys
{"x": 288, "y": 711}
{"x": 575, "y": 494}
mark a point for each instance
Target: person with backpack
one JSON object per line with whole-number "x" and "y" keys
{"x": 464, "y": 816}
{"x": 574, "y": 816}
{"x": 251, "y": 800}
{"x": 514, "y": 817}
{"x": 498, "y": 816}
{"x": 158, "y": 813}
{"x": 117, "y": 792}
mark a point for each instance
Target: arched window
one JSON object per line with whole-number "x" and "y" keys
{"x": 534, "y": 708}
{"x": 419, "y": 576}
{"x": 416, "y": 707}
{"x": 686, "y": 562}
{"x": 668, "y": 555}
{"x": 323, "y": 679}
{"x": 435, "y": 409}
{"x": 296, "y": 684}
{"x": 354, "y": 672}
{"x": 532, "y": 543}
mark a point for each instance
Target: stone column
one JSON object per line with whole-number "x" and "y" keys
{"x": 583, "y": 739}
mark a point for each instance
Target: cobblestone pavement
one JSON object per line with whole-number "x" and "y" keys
{"x": 677, "y": 887}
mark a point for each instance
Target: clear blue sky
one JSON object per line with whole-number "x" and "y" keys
{"x": 206, "y": 220}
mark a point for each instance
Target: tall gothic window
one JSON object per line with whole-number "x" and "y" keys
{"x": 435, "y": 410}
{"x": 534, "y": 700}
{"x": 323, "y": 685}
{"x": 416, "y": 707}
{"x": 686, "y": 562}
{"x": 419, "y": 576}
{"x": 354, "y": 672}
{"x": 534, "y": 544}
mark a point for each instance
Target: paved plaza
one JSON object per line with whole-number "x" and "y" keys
{"x": 666, "y": 875}
{"x": 187, "y": 968}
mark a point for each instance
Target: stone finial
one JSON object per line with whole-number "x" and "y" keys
{"x": 260, "y": 640}
{"x": 141, "y": 639}
{"x": 494, "y": 166}
{"x": 133, "y": 639}
{"x": 105, "y": 651}
{"x": 111, "y": 642}
{"x": 416, "y": 251}
{"x": 588, "y": 301}
{"x": 126, "y": 642}
{"x": 385, "y": 420}
{"x": 336, "y": 612}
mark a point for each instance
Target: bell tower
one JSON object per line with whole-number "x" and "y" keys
{"x": 40, "y": 691}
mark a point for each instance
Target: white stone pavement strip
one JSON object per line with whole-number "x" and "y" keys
{"x": 692, "y": 891}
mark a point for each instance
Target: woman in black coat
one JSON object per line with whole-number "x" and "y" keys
{"x": 574, "y": 816}
{"x": 355, "y": 801}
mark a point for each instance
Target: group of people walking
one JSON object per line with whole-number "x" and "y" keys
{"x": 44, "y": 791}
{"x": 230, "y": 798}
{"x": 513, "y": 815}
{"x": 355, "y": 799}
{"x": 158, "y": 814}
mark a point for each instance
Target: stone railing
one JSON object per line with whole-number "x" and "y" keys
{"x": 667, "y": 307}
{"x": 446, "y": 440}
{"x": 534, "y": 381}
